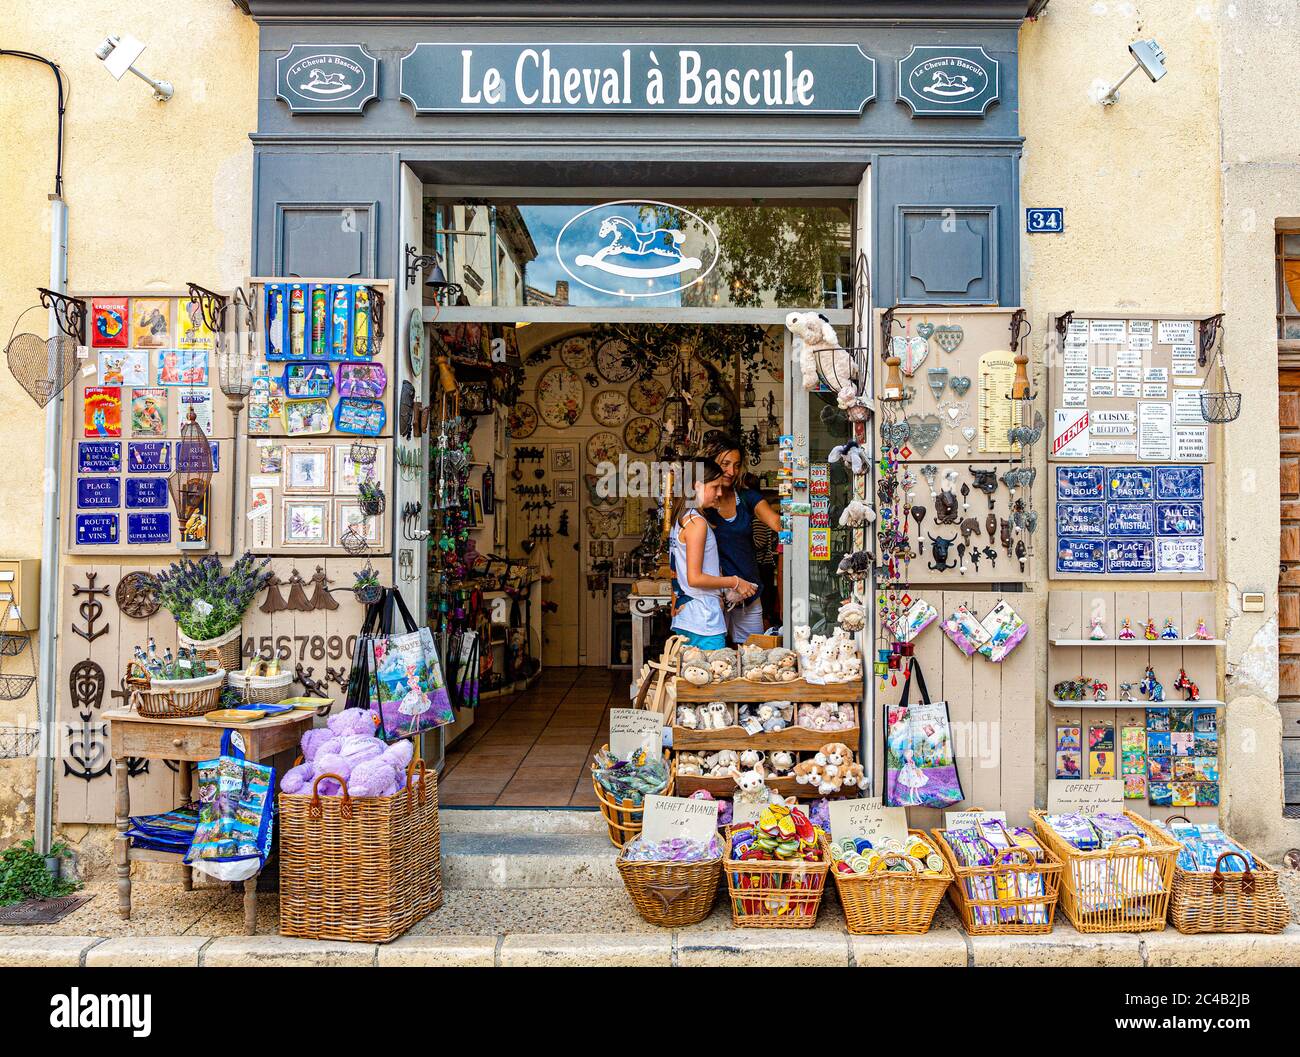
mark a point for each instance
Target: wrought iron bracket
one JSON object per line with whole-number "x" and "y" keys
{"x": 1210, "y": 330}
{"x": 416, "y": 262}
{"x": 211, "y": 304}
{"x": 1018, "y": 320}
{"x": 70, "y": 312}
{"x": 1063, "y": 322}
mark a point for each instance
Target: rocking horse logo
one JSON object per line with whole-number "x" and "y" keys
{"x": 321, "y": 83}
{"x": 636, "y": 245}
{"x": 324, "y": 78}
{"x": 948, "y": 86}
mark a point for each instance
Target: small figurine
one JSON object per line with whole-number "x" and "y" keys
{"x": 1152, "y": 687}
{"x": 1126, "y": 691}
{"x": 1098, "y": 690}
{"x": 1098, "y": 633}
{"x": 1191, "y": 692}
{"x": 1169, "y": 632}
{"x": 1150, "y": 630}
{"x": 1201, "y": 632}
{"x": 1126, "y": 631}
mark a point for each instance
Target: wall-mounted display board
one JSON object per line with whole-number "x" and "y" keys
{"x": 1127, "y": 388}
{"x": 1154, "y": 522}
{"x": 149, "y": 361}
{"x": 1165, "y": 752}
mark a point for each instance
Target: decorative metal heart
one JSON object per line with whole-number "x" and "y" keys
{"x": 951, "y": 450}
{"x": 938, "y": 377}
{"x": 42, "y": 366}
{"x": 925, "y": 430}
{"x": 911, "y": 353}
{"x": 948, "y": 337}
{"x": 895, "y": 434}
{"x": 968, "y": 433}
{"x": 960, "y": 385}
{"x": 925, "y": 330}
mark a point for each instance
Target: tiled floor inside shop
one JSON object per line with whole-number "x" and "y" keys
{"x": 534, "y": 749}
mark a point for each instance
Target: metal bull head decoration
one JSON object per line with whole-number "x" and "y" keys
{"x": 940, "y": 545}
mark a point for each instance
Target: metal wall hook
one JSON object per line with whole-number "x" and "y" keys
{"x": 70, "y": 312}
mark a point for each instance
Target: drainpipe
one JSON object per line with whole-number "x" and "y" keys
{"x": 492, "y": 251}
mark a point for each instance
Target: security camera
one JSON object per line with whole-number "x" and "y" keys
{"x": 119, "y": 54}
{"x": 1148, "y": 57}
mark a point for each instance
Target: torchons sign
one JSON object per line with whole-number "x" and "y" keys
{"x": 642, "y": 78}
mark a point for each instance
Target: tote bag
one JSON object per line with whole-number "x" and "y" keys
{"x": 233, "y": 836}
{"x": 920, "y": 770}
{"x": 409, "y": 694}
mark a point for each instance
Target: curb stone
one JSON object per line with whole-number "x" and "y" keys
{"x": 763, "y": 948}
{"x": 240, "y": 951}
{"x": 439, "y": 951}
{"x": 157, "y": 952}
{"x": 587, "y": 949}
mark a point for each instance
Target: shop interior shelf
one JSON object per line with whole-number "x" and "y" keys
{"x": 742, "y": 690}
{"x": 1202, "y": 703}
{"x": 725, "y": 787}
{"x": 792, "y": 739}
{"x": 1138, "y": 642}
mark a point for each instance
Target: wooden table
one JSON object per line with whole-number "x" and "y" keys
{"x": 186, "y": 741}
{"x": 644, "y": 608}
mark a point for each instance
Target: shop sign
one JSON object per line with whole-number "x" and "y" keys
{"x": 327, "y": 78}
{"x": 148, "y": 528}
{"x": 948, "y": 82}
{"x": 99, "y": 491}
{"x": 816, "y": 79}
{"x": 96, "y": 529}
{"x": 634, "y": 248}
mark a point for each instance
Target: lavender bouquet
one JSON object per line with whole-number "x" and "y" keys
{"x": 208, "y": 601}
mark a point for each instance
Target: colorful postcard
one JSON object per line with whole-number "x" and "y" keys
{"x": 1133, "y": 763}
{"x": 1101, "y": 765}
{"x": 1180, "y": 719}
{"x": 270, "y": 459}
{"x": 1161, "y": 795}
{"x": 1160, "y": 768}
{"x": 148, "y": 412}
{"x": 1204, "y": 721}
{"x": 1101, "y": 737}
{"x": 1184, "y": 794}
{"x": 1158, "y": 742}
{"x": 108, "y": 328}
{"x": 182, "y": 367}
{"x": 191, "y": 332}
{"x": 1207, "y": 794}
{"x": 1068, "y": 738}
{"x": 1135, "y": 787}
{"x": 1207, "y": 768}
{"x": 1068, "y": 764}
{"x": 1157, "y": 719}
{"x": 200, "y": 402}
{"x": 1184, "y": 769}
{"x": 1181, "y": 742}
{"x": 151, "y": 322}
{"x": 103, "y": 412}
{"x": 1205, "y": 745}
{"x": 1133, "y": 739}
{"x": 123, "y": 368}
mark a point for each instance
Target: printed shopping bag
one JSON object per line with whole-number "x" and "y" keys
{"x": 919, "y": 766}
{"x": 233, "y": 836}
{"x": 409, "y": 693}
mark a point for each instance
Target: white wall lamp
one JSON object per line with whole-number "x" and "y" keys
{"x": 1148, "y": 57}
{"x": 119, "y": 54}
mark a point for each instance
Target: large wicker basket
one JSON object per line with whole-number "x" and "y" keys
{"x": 171, "y": 698}
{"x": 671, "y": 894}
{"x": 891, "y": 902}
{"x": 1015, "y": 897}
{"x": 227, "y": 646}
{"x": 623, "y": 818}
{"x": 775, "y": 895}
{"x": 1123, "y": 888}
{"x": 1250, "y": 901}
{"x": 363, "y": 869}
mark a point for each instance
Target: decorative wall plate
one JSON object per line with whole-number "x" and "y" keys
{"x": 559, "y": 397}
{"x": 137, "y": 595}
{"x": 523, "y": 420}
{"x": 415, "y": 342}
{"x": 609, "y": 407}
{"x": 647, "y": 397}
{"x": 603, "y": 447}
{"x": 576, "y": 353}
{"x": 615, "y": 362}
{"x": 641, "y": 434}
{"x": 948, "y": 337}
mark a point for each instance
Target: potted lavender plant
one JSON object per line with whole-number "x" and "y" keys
{"x": 209, "y": 603}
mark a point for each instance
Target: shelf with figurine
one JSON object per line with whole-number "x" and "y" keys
{"x": 818, "y": 669}
{"x": 830, "y": 771}
{"x": 1168, "y": 636}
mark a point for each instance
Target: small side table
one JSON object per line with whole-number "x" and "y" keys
{"x": 644, "y": 608}
{"x": 186, "y": 741}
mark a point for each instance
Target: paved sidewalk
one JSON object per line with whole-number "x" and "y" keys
{"x": 591, "y": 927}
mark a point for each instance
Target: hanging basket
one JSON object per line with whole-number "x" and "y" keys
{"x": 362, "y": 454}
{"x": 17, "y": 743}
{"x": 12, "y": 645}
{"x": 1221, "y": 407}
{"x": 15, "y": 687}
{"x": 372, "y": 506}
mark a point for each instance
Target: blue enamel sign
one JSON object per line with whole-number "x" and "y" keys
{"x": 98, "y": 491}
{"x": 1130, "y": 519}
{"x": 94, "y": 530}
{"x": 149, "y": 456}
{"x": 1045, "y": 221}
{"x": 99, "y": 456}
{"x": 1080, "y": 519}
{"x": 216, "y": 462}
{"x": 1180, "y": 519}
{"x": 148, "y": 528}
{"x": 1179, "y": 482}
{"x": 938, "y": 81}
{"x": 1130, "y": 556}
{"x": 1129, "y": 482}
{"x": 1082, "y": 556}
{"x": 146, "y": 492}
{"x": 1080, "y": 482}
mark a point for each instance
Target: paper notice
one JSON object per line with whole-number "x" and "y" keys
{"x": 1154, "y": 431}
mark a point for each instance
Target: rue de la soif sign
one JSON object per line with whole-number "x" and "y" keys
{"x": 639, "y": 78}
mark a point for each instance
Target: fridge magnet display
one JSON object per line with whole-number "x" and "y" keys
{"x": 95, "y": 492}
{"x": 365, "y": 381}
{"x": 307, "y": 469}
{"x": 148, "y": 493}
{"x": 123, "y": 368}
{"x": 103, "y": 411}
{"x": 156, "y": 529}
{"x": 305, "y": 522}
{"x": 108, "y": 323}
{"x": 200, "y": 402}
{"x": 364, "y": 418}
{"x": 192, "y": 332}
{"x": 348, "y": 515}
{"x": 303, "y": 418}
{"x": 311, "y": 378}
{"x": 151, "y": 322}
{"x": 361, "y": 324}
{"x": 149, "y": 456}
{"x": 148, "y": 412}
{"x": 96, "y": 530}
{"x": 182, "y": 367}
{"x": 339, "y": 341}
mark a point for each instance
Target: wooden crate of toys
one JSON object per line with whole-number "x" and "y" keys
{"x": 1219, "y": 886}
{"x": 1117, "y": 870}
{"x": 890, "y": 889}
{"x": 674, "y": 883}
{"x": 831, "y": 771}
{"x": 1005, "y": 882}
{"x": 622, "y": 786}
{"x": 776, "y": 870}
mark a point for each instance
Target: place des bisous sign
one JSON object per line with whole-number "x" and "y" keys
{"x": 820, "y": 79}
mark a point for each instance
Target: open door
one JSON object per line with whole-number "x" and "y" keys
{"x": 864, "y": 337}
{"x": 409, "y": 566}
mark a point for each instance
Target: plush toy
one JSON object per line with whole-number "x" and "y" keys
{"x": 687, "y": 717}
{"x": 750, "y": 785}
{"x": 856, "y": 459}
{"x": 854, "y": 774}
{"x": 852, "y": 617}
{"x": 689, "y": 765}
{"x": 856, "y": 513}
{"x": 771, "y": 717}
{"x": 696, "y": 675}
{"x": 716, "y": 716}
{"x": 750, "y": 758}
{"x": 781, "y": 763}
{"x": 347, "y": 747}
{"x": 722, "y": 665}
{"x": 808, "y": 772}
{"x": 818, "y": 351}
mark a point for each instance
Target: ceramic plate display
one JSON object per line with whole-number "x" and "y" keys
{"x": 603, "y": 447}
{"x": 415, "y": 342}
{"x": 559, "y": 397}
{"x": 774, "y": 353}
{"x": 609, "y": 407}
{"x": 575, "y": 353}
{"x": 647, "y": 397}
{"x": 717, "y": 410}
{"x": 523, "y": 420}
{"x": 697, "y": 379}
{"x": 641, "y": 434}
{"x": 615, "y": 363}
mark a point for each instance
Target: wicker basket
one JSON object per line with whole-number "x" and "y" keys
{"x": 1250, "y": 901}
{"x": 1123, "y": 888}
{"x": 624, "y": 817}
{"x": 775, "y": 895}
{"x": 361, "y": 869}
{"x": 171, "y": 698}
{"x": 891, "y": 902}
{"x": 228, "y": 646}
{"x": 261, "y": 689}
{"x": 671, "y": 894}
{"x": 990, "y": 900}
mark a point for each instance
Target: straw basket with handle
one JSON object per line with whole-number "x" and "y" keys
{"x": 775, "y": 894}
{"x": 363, "y": 869}
{"x": 1016, "y": 896}
{"x": 891, "y": 902}
{"x": 259, "y": 689}
{"x": 171, "y": 698}
{"x": 227, "y": 646}
{"x": 671, "y": 894}
{"x": 623, "y": 818}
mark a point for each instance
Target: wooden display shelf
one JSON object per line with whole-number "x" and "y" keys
{"x": 726, "y": 788}
{"x": 743, "y": 691}
{"x": 1056, "y": 702}
{"x": 1138, "y": 642}
{"x": 792, "y": 739}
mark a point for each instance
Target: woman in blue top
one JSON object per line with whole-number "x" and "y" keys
{"x": 732, "y": 518}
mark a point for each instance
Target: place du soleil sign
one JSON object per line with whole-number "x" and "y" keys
{"x": 819, "y": 79}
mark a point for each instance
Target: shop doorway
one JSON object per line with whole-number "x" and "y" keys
{"x": 1289, "y": 585}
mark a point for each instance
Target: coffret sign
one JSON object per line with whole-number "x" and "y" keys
{"x": 642, "y": 78}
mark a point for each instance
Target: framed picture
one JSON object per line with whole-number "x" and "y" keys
{"x": 347, "y": 515}
{"x": 305, "y": 523}
{"x": 348, "y": 474}
{"x": 307, "y": 470}
{"x": 564, "y": 458}
{"x": 566, "y": 490}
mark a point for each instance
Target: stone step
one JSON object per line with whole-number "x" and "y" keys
{"x": 520, "y": 820}
{"x": 527, "y": 860}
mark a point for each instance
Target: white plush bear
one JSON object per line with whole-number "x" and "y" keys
{"x": 687, "y": 717}
{"x": 852, "y": 616}
{"x": 853, "y": 455}
{"x": 856, "y": 513}
{"x": 819, "y": 352}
